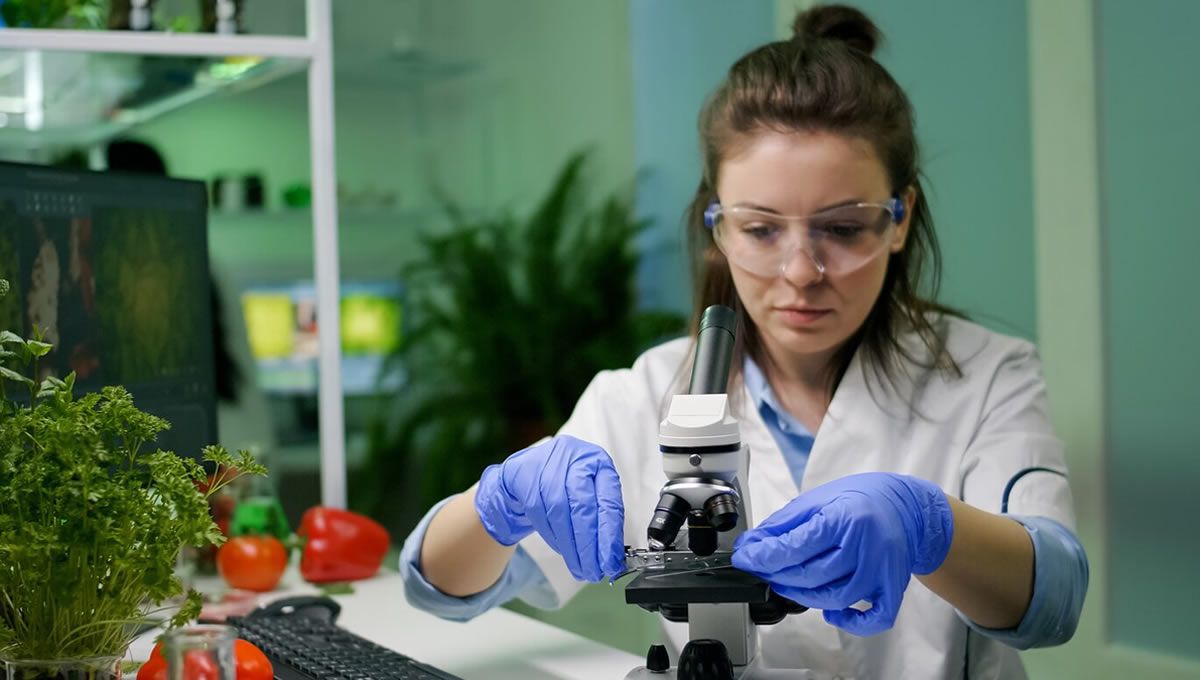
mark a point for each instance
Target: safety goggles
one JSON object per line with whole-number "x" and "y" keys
{"x": 838, "y": 240}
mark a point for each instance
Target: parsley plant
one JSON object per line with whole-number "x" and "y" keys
{"x": 91, "y": 522}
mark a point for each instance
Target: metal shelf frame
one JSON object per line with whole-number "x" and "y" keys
{"x": 160, "y": 43}
{"x": 316, "y": 49}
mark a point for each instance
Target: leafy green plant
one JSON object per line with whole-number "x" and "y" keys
{"x": 91, "y": 523}
{"x": 52, "y": 13}
{"x": 507, "y": 322}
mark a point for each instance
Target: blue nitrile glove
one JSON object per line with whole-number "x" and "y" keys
{"x": 856, "y": 538}
{"x": 568, "y": 491}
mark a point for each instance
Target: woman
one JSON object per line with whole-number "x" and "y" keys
{"x": 889, "y": 437}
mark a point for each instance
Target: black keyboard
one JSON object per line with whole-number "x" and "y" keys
{"x": 308, "y": 648}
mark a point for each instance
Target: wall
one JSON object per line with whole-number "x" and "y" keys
{"x": 1149, "y": 142}
{"x": 1112, "y": 132}
{"x": 479, "y": 101}
{"x": 681, "y": 52}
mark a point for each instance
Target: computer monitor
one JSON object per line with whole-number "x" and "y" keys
{"x": 281, "y": 322}
{"x": 113, "y": 269}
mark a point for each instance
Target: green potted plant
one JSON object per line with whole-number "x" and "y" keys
{"x": 506, "y": 322}
{"x": 91, "y": 523}
{"x": 52, "y": 13}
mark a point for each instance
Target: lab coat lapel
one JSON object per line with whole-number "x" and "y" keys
{"x": 845, "y": 433}
{"x": 771, "y": 484}
{"x": 864, "y": 428}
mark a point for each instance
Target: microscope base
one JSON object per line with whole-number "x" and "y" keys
{"x": 751, "y": 672}
{"x": 642, "y": 673}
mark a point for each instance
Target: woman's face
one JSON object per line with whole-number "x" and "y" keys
{"x": 804, "y": 314}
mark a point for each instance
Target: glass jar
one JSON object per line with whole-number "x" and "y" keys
{"x": 93, "y": 668}
{"x": 204, "y": 651}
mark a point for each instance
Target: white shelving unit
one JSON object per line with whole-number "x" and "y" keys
{"x": 313, "y": 51}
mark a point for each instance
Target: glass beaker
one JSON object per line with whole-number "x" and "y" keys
{"x": 98, "y": 668}
{"x": 203, "y": 652}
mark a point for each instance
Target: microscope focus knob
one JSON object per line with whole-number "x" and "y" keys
{"x": 705, "y": 660}
{"x": 657, "y": 660}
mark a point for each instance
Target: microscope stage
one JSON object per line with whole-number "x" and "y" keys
{"x": 722, "y": 585}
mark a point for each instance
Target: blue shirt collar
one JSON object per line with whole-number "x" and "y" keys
{"x": 765, "y": 401}
{"x": 756, "y": 382}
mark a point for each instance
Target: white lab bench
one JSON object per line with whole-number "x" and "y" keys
{"x": 498, "y": 645}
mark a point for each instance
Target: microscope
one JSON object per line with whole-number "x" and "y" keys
{"x": 686, "y": 576}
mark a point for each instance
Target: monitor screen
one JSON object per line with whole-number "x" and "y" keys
{"x": 113, "y": 270}
{"x": 281, "y": 322}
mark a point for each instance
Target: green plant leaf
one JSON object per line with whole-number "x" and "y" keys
{"x": 87, "y": 13}
{"x": 183, "y": 24}
{"x": 340, "y": 588}
{"x": 39, "y": 349}
{"x": 10, "y": 374}
{"x": 50, "y": 387}
{"x": 10, "y": 338}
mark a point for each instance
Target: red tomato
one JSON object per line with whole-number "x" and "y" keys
{"x": 200, "y": 666}
{"x": 155, "y": 667}
{"x": 196, "y": 666}
{"x": 252, "y": 664}
{"x": 252, "y": 562}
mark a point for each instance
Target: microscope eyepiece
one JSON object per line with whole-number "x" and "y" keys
{"x": 714, "y": 350}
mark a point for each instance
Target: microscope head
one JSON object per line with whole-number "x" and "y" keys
{"x": 702, "y": 452}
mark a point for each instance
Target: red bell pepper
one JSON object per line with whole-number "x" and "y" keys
{"x": 340, "y": 545}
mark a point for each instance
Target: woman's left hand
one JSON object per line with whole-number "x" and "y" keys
{"x": 856, "y": 538}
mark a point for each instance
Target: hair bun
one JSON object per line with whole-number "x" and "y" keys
{"x": 840, "y": 23}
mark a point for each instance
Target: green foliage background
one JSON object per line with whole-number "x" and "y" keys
{"x": 53, "y": 13}
{"x": 508, "y": 319}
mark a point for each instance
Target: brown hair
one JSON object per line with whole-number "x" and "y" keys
{"x": 825, "y": 79}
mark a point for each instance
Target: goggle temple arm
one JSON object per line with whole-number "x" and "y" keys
{"x": 896, "y": 206}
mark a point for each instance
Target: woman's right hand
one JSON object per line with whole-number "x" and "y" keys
{"x": 568, "y": 491}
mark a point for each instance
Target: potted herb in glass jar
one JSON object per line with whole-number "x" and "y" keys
{"x": 91, "y": 520}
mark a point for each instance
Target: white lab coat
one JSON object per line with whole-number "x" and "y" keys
{"x": 972, "y": 436}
